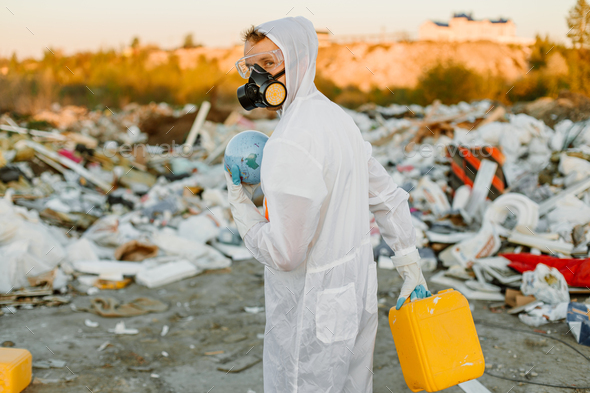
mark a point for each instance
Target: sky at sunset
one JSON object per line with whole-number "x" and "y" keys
{"x": 28, "y": 27}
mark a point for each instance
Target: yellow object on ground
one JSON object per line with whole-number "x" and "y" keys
{"x": 16, "y": 369}
{"x": 436, "y": 341}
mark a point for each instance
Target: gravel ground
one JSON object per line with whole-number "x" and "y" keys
{"x": 209, "y": 329}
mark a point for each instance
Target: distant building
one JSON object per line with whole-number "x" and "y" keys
{"x": 462, "y": 27}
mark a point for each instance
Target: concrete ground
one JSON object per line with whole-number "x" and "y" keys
{"x": 206, "y": 316}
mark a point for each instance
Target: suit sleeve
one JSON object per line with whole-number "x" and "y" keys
{"x": 389, "y": 204}
{"x": 294, "y": 189}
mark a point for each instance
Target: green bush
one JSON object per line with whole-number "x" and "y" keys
{"x": 450, "y": 83}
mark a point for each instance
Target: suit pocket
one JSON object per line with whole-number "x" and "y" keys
{"x": 336, "y": 314}
{"x": 371, "y": 299}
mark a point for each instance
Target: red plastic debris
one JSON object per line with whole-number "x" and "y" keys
{"x": 575, "y": 271}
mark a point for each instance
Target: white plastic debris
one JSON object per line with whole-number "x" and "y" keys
{"x": 461, "y": 197}
{"x": 546, "y": 284}
{"x": 81, "y": 250}
{"x": 201, "y": 228}
{"x": 103, "y": 346}
{"x": 27, "y": 246}
{"x": 515, "y": 205}
{"x": 254, "y": 309}
{"x": 578, "y": 167}
{"x": 121, "y": 329}
{"x": 385, "y": 262}
{"x": 109, "y": 268}
{"x": 544, "y": 313}
{"x": 92, "y": 291}
{"x": 570, "y": 210}
{"x": 543, "y": 244}
{"x": 486, "y": 243}
{"x": 90, "y": 323}
{"x": 473, "y": 386}
{"x": 173, "y": 244}
{"x": 433, "y": 195}
{"x": 481, "y": 188}
{"x": 237, "y": 253}
{"x": 166, "y": 273}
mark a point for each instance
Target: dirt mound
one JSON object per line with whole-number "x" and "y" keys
{"x": 395, "y": 64}
{"x": 567, "y": 105}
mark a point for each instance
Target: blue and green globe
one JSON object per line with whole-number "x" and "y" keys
{"x": 245, "y": 151}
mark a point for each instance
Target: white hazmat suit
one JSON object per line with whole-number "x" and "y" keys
{"x": 320, "y": 182}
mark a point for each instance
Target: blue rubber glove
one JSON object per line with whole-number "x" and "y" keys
{"x": 237, "y": 180}
{"x": 418, "y": 293}
{"x": 235, "y": 175}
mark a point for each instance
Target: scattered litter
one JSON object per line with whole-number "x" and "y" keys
{"x": 90, "y": 323}
{"x": 254, "y": 309}
{"x": 135, "y": 251}
{"x": 479, "y": 192}
{"x": 486, "y": 243}
{"x": 47, "y": 381}
{"x": 51, "y": 363}
{"x": 385, "y": 262}
{"x": 103, "y": 346}
{"x": 541, "y": 314}
{"x": 211, "y": 353}
{"x": 473, "y": 386}
{"x": 546, "y": 284}
{"x": 502, "y": 199}
{"x": 460, "y": 286}
{"x": 240, "y": 364}
{"x": 121, "y": 329}
{"x": 166, "y": 274}
{"x": 111, "y": 308}
{"x": 579, "y": 322}
{"x": 575, "y": 271}
{"x": 515, "y": 298}
{"x": 92, "y": 291}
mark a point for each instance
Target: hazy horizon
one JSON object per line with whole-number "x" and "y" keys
{"x": 28, "y": 28}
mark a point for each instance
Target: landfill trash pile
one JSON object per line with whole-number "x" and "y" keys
{"x": 500, "y": 203}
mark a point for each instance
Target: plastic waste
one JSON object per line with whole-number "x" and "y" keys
{"x": 166, "y": 274}
{"x": 201, "y": 228}
{"x": 579, "y": 322}
{"x": 546, "y": 284}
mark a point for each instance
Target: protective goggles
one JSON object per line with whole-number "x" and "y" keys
{"x": 268, "y": 61}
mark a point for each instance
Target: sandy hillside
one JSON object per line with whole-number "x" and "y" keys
{"x": 392, "y": 65}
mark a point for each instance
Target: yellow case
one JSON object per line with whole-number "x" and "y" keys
{"x": 436, "y": 342}
{"x": 16, "y": 369}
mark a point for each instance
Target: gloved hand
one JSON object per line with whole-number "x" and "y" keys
{"x": 245, "y": 213}
{"x": 414, "y": 286}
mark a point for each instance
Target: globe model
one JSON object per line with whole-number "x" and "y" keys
{"x": 245, "y": 151}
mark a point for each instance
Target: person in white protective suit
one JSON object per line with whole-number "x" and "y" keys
{"x": 320, "y": 182}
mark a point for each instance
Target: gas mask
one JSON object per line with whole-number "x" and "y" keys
{"x": 263, "y": 90}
